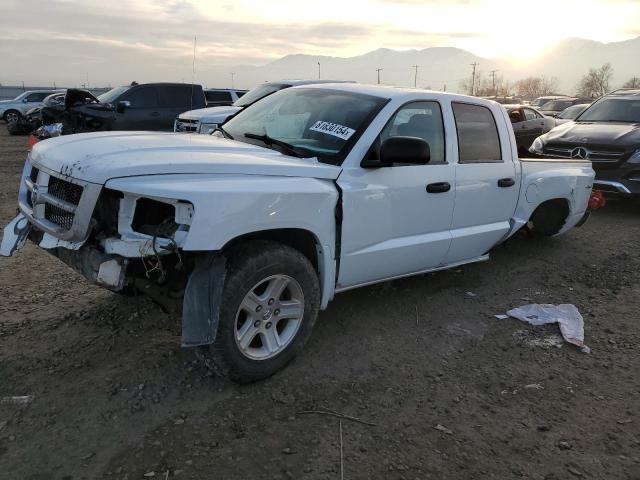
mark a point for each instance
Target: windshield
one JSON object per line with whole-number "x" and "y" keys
{"x": 255, "y": 94}
{"x": 313, "y": 122}
{"x": 556, "y": 105}
{"x": 112, "y": 95}
{"x": 572, "y": 112}
{"x": 612, "y": 110}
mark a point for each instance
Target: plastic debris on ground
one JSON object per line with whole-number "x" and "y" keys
{"x": 566, "y": 315}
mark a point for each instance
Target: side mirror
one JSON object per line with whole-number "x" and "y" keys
{"x": 25, "y": 100}
{"x": 122, "y": 105}
{"x": 411, "y": 150}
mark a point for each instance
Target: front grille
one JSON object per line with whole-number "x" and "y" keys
{"x": 594, "y": 154}
{"x": 67, "y": 191}
{"x": 186, "y": 125}
{"x": 58, "y": 216}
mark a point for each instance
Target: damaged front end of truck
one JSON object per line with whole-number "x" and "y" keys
{"x": 121, "y": 241}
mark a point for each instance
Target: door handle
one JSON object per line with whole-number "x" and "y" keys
{"x": 506, "y": 182}
{"x": 155, "y": 114}
{"x": 438, "y": 187}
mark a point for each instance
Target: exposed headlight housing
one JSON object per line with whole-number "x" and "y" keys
{"x": 635, "y": 158}
{"x": 208, "y": 128}
{"x": 537, "y": 146}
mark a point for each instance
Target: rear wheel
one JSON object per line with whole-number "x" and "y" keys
{"x": 549, "y": 218}
{"x": 270, "y": 304}
{"x": 11, "y": 116}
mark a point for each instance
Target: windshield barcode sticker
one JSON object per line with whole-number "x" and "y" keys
{"x": 333, "y": 129}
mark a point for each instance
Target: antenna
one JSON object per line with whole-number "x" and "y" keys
{"x": 473, "y": 78}
{"x": 193, "y": 70}
{"x": 378, "y": 70}
{"x": 415, "y": 78}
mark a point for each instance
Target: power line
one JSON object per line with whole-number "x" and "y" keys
{"x": 473, "y": 78}
{"x": 415, "y": 78}
{"x": 378, "y": 70}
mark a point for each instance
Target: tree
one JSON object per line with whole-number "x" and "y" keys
{"x": 596, "y": 82}
{"x": 536, "y": 86}
{"x": 633, "y": 82}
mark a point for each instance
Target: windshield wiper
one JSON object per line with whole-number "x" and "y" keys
{"x": 287, "y": 147}
{"x": 224, "y": 133}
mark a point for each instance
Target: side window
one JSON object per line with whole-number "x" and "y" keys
{"x": 36, "y": 97}
{"x": 143, "y": 97}
{"x": 422, "y": 120}
{"x": 530, "y": 114}
{"x": 213, "y": 96}
{"x": 478, "y": 140}
{"x": 175, "y": 96}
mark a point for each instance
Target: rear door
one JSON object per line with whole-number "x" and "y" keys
{"x": 486, "y": 182}
{"x": 143, "y": 112}
{"x": 394, "y": 223}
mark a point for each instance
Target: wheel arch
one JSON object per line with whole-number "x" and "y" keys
{"x": 304, "y": 241}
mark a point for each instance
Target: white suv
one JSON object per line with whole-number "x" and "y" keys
{"x": 206, "y": 120}
{"x": 12, "y": 110}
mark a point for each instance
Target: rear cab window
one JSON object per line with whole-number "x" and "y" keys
{"x": 478, "y": 138}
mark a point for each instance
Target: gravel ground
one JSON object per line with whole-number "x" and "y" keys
{"x": 446, "y": 390}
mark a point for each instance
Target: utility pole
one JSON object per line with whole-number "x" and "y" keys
{"x": 415, "y": 77}
{"x": 473, "y": 78}
{"x": 378, "y": 70}
{"x": 232, "y": 77}
{"x": 318, "y": 70}
{"x": 493, "y": 78}
{"x": 87, "y": 74}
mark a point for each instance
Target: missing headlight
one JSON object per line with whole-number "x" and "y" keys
{"x": 154, "y": 218}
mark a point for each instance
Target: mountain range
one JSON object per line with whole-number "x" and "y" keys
{"x": 442, "y": 68}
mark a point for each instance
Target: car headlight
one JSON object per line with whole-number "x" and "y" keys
{"x": 537, "y": 146}
{"x": 208, "y": 128}
{"x": 635, "y": 158}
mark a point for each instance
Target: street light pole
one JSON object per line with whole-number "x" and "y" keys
{"x": 415, "y": 78}
{"x": 318, "y": 70}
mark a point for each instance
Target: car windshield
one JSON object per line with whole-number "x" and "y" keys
{"x": 625, "y": 110}
{"x": 556, "y": 105}
{"x": 312, "y": 122}
{"x": 111, "y": 95}
{"x": 571, "y": 112}
{"x": 255, "y": 94}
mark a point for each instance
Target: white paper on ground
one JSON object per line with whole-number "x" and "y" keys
{"x": 567, "y": 315}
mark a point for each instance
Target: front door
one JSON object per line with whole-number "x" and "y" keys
{"x": 396, "y": 219}
{"x": 143, "y": 112}
{"x": 486, "y": 186}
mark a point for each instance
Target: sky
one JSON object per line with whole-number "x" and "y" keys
{"x": 113, "y": 41}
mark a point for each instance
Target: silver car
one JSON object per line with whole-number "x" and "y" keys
{"x": 12, "y": 110}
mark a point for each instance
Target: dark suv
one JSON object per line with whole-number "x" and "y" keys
{"x": 152, "y": 106}
{"x": 608, "y": 134}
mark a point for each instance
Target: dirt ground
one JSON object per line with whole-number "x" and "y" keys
{"x": 449, "y": 391}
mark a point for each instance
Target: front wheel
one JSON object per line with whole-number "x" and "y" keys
{"x": 269, "y": 305}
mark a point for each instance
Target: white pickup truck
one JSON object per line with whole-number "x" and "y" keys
{"x": 310, "y": 192}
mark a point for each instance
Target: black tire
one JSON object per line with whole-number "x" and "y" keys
{"x": 9, "y": 113}
{"x": 248, "y": 265}
{"x": 549, "y": 218}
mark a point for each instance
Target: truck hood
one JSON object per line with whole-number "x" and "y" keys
{"x": 101, "y": 156}
{"x": 623, "y": 135}
{"x": 210, "y": 115}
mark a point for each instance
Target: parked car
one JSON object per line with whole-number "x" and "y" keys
{"x": 528, "y": 124}
{"x": 206, "y": 120}
{"x": 13, "y": 110}
{"x": 32, "y": 119}
{"x": 309, "y": 192}
{"x": 505, "y": 100}
{"x": 220, "y": 97}
{"x": 554, "y": 107}
{"x": 538, "y": 102}
{"x": 152, "y": 106}
{"x": 570, "y": 113}
{"x": 607, "y": 133}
